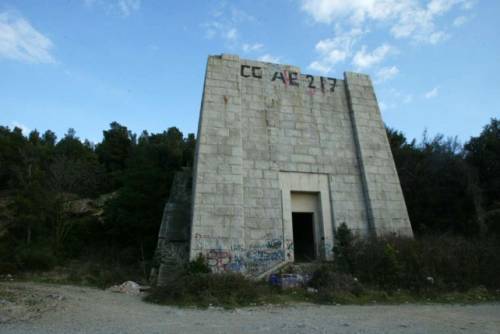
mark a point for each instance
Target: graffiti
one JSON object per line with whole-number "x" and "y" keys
{"x": 202, "y": 241}
{"x": 202, "y": 236}
{"x": 274, "y": 243}
{"x": 236, "y": 247}
{"x": 291, "y": 79}
{"x": 170, "y": 252}
{"x": 311, "y": 80}
{"x": 265, "y": 255}
{"x": 288, "y": 78}
{"x": 279, "y": 75}
{"x": 237, "y": 264}
{"x": 218, "y": 259}
{"x": 256, "y": 71}
{"x": 253, "y": 260}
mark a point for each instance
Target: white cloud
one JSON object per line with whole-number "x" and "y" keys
{"x": 24, "y": 128}
{"x": 432, "y": 93}
{"x": 251, "y": 47}
{"x": 364, "y": 60}
{"x": 320, "y": 67}
{"x": 406, "y": 18}
{"x": 231, "y": 34}
{"x": 326, "y": 11}
{"x": 468, "y": 4}
{"x": 224, "y": 22}
{"x": 238, "y": 15}
{"x": 128, "y": 6}
{"x": 385, "y": 106}
{"x": 211, "y": 29}
{"x": 460, "y": 21}
{"x": 335, "y": 50}
{"x": 394, "y": 98}
{"x": 386, "y": 73}
{"x": 123, "y": 7}
{"x": 20, "y": 41}
{"x": 269, "y": 58}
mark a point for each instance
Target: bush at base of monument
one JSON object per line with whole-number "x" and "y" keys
{"x": 429, "y": 263}
{"x": 383, "y": 270}
{"x": 204, "y": 290}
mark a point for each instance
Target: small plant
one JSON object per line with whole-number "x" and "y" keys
{"x": 203, "y": 289}
{"x": 35, "y": 258}
{"x": 198, "y": 266}
{"x": 333, "y": 285}
{"x": 344, "y": 249}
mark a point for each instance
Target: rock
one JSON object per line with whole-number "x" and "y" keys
{"x": 56, "y": 297}
{"x": 128, "y": 287}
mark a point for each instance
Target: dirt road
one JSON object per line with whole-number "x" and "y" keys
{"x": 69, "y": 309}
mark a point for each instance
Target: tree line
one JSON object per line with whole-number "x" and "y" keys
{"x": 125, "y": 178}
{"x": 451, "y": 188}
{"x": 72, "y": 199}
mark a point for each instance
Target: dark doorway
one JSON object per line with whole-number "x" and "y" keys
{"x": 303, "y": 236}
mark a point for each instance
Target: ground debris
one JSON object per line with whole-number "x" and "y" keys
{"x": 128, "y": 287}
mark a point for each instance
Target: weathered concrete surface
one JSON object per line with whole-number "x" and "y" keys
{"x": 84, "y": 310}
{"x": 173, "y": 238}
{"x": 267, "y": 131}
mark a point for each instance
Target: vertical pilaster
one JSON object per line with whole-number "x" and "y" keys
{"x": 217, "y": 223}
{"x": 384, "y": 198}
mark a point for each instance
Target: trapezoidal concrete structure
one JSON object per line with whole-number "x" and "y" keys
{"x": 284, "y": 158}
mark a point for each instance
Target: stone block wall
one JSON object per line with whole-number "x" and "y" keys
{"x": 263, "y": 123}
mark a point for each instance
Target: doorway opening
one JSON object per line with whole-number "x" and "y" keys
{"x": 303, "y": 236}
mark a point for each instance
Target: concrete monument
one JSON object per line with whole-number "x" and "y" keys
{"x": 282, "y": 159}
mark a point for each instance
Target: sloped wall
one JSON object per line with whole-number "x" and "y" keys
{"x": 260, "y": 120}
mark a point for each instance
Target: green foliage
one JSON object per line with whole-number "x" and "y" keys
{"x": 115, "y": 147}
{"x": 35, "y": 258}
{"x": 42, "y": 178}
{"x": 444, "y": 263}
{"x": 203, "y": 289}
{"x": 439, "y": 186}
{"x": 198, "y": 266}
{"x": 343, "y": 249}
{"x": 482, "y": 153}
{"x": 332, "y": 283}
{"x": 448, "y": 191}
{"x": 393, "y": 269}
{"x": 133, "y": 216}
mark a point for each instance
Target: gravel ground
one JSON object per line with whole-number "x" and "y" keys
{"x": 69, "y": 309}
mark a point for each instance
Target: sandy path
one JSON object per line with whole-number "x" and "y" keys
{"x": 85, "y": 310}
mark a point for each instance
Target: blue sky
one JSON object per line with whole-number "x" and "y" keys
{"x": 85, "y": 63}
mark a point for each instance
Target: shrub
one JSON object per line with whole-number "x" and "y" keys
{"x": 344, "y": 248}
{"x": 35, "y": 258}
{"x": 198, "y": 266}
{"x": 204, "y": 289}
{"x": 445, "y": 263}
{"x": 333, "y": 286}
{"x": 7, "y": 268}
{"x": 195, "y": 285}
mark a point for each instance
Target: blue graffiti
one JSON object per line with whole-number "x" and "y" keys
{"x": 265, "y": 255}
{"x": 274, "y": 243}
